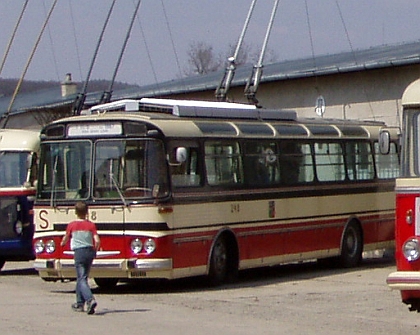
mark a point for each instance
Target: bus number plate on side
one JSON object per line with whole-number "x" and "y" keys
{"x": 271, "y": 209}
{"x": 235, "y": 208}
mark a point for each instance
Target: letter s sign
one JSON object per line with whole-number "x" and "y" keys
{"x": 44, "y": 224}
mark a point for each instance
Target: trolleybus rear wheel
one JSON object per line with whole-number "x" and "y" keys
{"x": 219, "y": 262}
{"x": 351, "y": 246}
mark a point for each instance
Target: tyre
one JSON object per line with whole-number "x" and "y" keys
{"x": 351, "y": 246}
{"x": 219, "y": 262}
{"x": 2, "y": 261}
{"x": 106, "y": 283}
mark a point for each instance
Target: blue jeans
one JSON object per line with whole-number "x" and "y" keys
{"x": 83, "y": 259}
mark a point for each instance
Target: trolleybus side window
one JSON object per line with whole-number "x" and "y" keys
{"x": 296, "y": 163}
{"x": 387, "y": 166}
{"x": 359, "y": 161}
{"x": 223, "y": 163}
{"x": 185, "y": 173}
{"x": 261, "y": 163}
{"x": 329, "y": 162}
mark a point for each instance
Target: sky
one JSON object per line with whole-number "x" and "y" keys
{"x": 164, "y": 31}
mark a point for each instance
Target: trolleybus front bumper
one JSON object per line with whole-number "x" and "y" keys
{"x": 404, "y": 280}
{"x": 58, "y": 269}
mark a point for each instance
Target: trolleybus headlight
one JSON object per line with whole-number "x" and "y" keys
{"x": 149, "y": 246}
{"x": 136, "y": 246}
{"x": 50, "y": 246}
{"x": 411, "y": 249}
{"x": 39, "y": 246}
{"x": 18, "y": 227}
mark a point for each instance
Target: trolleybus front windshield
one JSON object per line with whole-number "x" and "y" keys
{"x": 15, "y": 168}
{"x": 121, "y": 169}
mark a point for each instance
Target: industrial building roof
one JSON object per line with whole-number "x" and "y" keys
{"x": 356, "y": 60}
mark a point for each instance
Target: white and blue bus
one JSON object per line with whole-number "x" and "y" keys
{"x": 19, "y": 150}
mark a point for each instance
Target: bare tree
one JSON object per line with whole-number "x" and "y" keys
{"x": 201, "y": 59}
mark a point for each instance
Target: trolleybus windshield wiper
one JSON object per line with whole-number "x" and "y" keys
{"x": 53, "y": 182}
{"x": 112, "y": 178}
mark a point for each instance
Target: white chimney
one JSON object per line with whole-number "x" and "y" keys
{"x": 68, "y": 87}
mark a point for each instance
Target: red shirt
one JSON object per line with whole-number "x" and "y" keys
{"x": 81, "y": 232}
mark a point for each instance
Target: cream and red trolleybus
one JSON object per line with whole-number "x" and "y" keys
{"x": 407, "y": 226}
{"x": 188, "y": 188}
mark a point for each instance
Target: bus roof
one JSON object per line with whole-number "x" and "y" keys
{"x": 182, "y": 119}
{"x": 133, "y": 105}
{"x": 195, "y": 108}
{"x": 411, "y": 95}
{"x": 19, "y": 140}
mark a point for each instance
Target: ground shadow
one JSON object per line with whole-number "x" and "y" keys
{"x": 19, "y": 272}
{"x": 246, "y": 278}
{"x": 106, "y": 311}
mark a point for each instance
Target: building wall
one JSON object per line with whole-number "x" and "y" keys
{"x": 365, "y": 95}
{"x": 37, "y": 118}
{"x": 23, "y": 121}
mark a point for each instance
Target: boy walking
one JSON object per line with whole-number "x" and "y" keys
{"x": 84, "y": 242}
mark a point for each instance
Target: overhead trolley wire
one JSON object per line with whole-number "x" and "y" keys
{"x": 319, "y": 98}
{"x": 308, "y": 21}
{"x": 52, "y": 48}
{"x": 19, "y": 84}
{"x": 147, "y": 50}
{"x": 173, "y": 47}
{"x": 12, "y": 37}
{"x": 81, "y": 97}
{"x": 106, "y": 96}
{"x": 171, "y": 37}
{"x": 75, "y": 39}
{"x": 354, "y": 57}
{"x": 346, "y": 31}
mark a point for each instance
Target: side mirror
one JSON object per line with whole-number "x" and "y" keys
{"x": 181, "y": 155}
{"x": 384, "y": 142}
